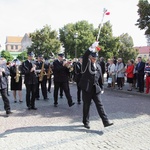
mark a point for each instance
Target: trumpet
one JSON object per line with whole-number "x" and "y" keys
{"x": 68, "y": 65}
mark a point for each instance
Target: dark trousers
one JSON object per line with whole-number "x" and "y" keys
{"x": 140, "y": 78}
{"x": 5, "y": 99}
{"x": 78, "y": 92}
{"x": 43, "y": 88}
{"x": 30, "y": 95}
{"x": 119, "y": 82}
{"x": 61, "y": 92}
{"x": 65, "y": 87}
{"x": 87, "y": 97}
{"x": 49, "y": 84}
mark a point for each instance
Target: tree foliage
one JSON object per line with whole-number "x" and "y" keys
{"x": 108, "y": 43}
{"x": 45, "y": 42}
{"x": 144, "y": 16}
{"x": 22, "y": 56}
{"x": 7, "y": 55}
{"x": 84, "y": 39}
{"x": 126, "y": 50}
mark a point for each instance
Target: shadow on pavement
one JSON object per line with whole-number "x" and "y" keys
{"x": 74, "y": 128}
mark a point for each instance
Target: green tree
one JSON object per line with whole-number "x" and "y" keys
{"x": 107, "y": 42}
{"x": 125, "y": 49}
{"x": 144, "y": 17}
{"x": 45, "y": 42}
{"x": 85, "y": 32}
{"x": 22, "y": 56}
{"x": 7, "y": 55}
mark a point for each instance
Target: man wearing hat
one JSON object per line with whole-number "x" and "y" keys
{"x": 4, "y": 72}
{"x": 61, "y": 79}
{"x": 30, "y": 80}
{"x": 41, "y": 71}
{"x": 91, "y": 85}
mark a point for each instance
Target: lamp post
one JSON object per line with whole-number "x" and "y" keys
{"x": 75, "y": 36}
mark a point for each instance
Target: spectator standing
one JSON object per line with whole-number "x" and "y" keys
{"x": 120, "y": 73}
{"x": 130, "y": 73}
{"x": 140, "y": 74}
{"x": 147, "y": 73}
{"x": 112, "y": 73}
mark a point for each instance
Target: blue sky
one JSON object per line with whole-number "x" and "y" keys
{"x": 23, "y": 16}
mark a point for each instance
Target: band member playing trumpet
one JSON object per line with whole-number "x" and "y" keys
{"x": 16, "y": 80}
{"x": 41, "y": 70}
{"x": 61, "y": 79}
{"x": 30, "y": 80}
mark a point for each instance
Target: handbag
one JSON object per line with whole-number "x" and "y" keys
{"x": 109, "y": 80}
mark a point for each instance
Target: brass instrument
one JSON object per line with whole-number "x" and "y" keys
{"x": 69, "y": 66}
{"x": 50, "y": 72}
{"x": 17, "y": 74}
{"x": 42, "y": 73}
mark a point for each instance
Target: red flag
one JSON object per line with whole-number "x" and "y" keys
{"x": 98, "y": 48}
{"x": 107, "y": 13}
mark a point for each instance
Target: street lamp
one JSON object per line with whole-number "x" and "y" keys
{"x": 76, "y": 36}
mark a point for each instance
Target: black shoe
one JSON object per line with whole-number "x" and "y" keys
{"x": 71, "y": 104}
{"x": 29, "y": 108}
{"x": 15, "y": 101}
{"x": 55, "y": 105}
{"x": 8, "y": 112}
{"x": 87, "y": 126}
{"x": 46, "y": 98}
{"x": 8, "y": 94}
{"x": 33, "y": 108}
{"x": 108, "y": 124}
{"x": 37, "y": 99}
{"x": 79, "y": 102}
{"x": 20, "y": 101}
{"x": 61, "y": 96}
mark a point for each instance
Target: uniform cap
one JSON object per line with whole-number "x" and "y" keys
{"x": 61, "y": 55}
{"x": 30, "y": 54}
{"x": 94, "y": 54}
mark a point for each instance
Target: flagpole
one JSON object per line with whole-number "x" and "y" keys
{"x": 100, "y": 26}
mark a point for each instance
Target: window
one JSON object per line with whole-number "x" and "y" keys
{"x": 16, "y": 46}
{"x": 12, "y": 46}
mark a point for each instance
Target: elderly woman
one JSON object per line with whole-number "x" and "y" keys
{"x": 120, "y": 70}
{"x": 112, "y": 73}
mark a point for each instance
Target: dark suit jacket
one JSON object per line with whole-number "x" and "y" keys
{"x": 60, "y": 72}
{"x": 140, "y": 68}
{"x": 30, "y": 77}
{"x": 89, "y": 81}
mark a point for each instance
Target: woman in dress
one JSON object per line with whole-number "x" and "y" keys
{"x": 16, "y": 80}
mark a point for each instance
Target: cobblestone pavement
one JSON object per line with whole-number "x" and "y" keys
{"x": 50, "y": 128}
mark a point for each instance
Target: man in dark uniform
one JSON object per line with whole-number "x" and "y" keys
{"x": 41, "y": 67}
{"x": 4, "y": 72}
{"x": 61, "y": 79}
{"x": 140, "y": 74}
{"x": 91, "y": 85}
{"x": 77, "y": 76}
{"x": 30, "y": 80}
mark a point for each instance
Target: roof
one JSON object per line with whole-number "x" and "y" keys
{"x": 143, "y": 49}
{"x": 13, "y": 39}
